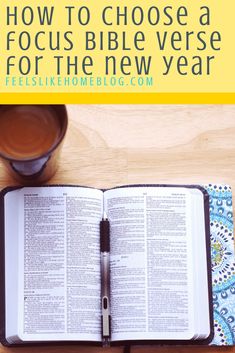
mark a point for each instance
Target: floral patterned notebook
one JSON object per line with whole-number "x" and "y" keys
{"x": 223, "y": 265}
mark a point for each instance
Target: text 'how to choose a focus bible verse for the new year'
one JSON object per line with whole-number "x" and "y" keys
{"x": 113, "y": 39}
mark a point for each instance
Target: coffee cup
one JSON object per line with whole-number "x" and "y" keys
{"x": 31, "y": 137}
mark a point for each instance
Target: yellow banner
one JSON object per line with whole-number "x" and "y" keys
{"x": 51, "y": 46}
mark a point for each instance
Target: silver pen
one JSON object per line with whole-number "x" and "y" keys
{"x": 105, "y": 279}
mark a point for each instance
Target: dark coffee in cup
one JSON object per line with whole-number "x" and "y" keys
{"x": 30, "y": 139}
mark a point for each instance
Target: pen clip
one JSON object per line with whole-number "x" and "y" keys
{"x": 106, "y": 329}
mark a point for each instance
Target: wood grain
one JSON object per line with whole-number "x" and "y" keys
{"x": 109, "y": 145}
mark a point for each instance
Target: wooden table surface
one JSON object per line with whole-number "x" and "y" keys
{"x": 109, "y": 145}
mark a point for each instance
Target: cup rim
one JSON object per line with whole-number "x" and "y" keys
{"x": 51, "y": 149}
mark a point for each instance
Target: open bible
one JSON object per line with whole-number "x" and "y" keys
{"x": 160, "y": 276}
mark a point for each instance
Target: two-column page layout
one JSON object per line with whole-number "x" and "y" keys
{"x": 160, "y": 280}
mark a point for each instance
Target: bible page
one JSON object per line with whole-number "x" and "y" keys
{"x": 152, "y": 292}
{"x": 59, "y": 263}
